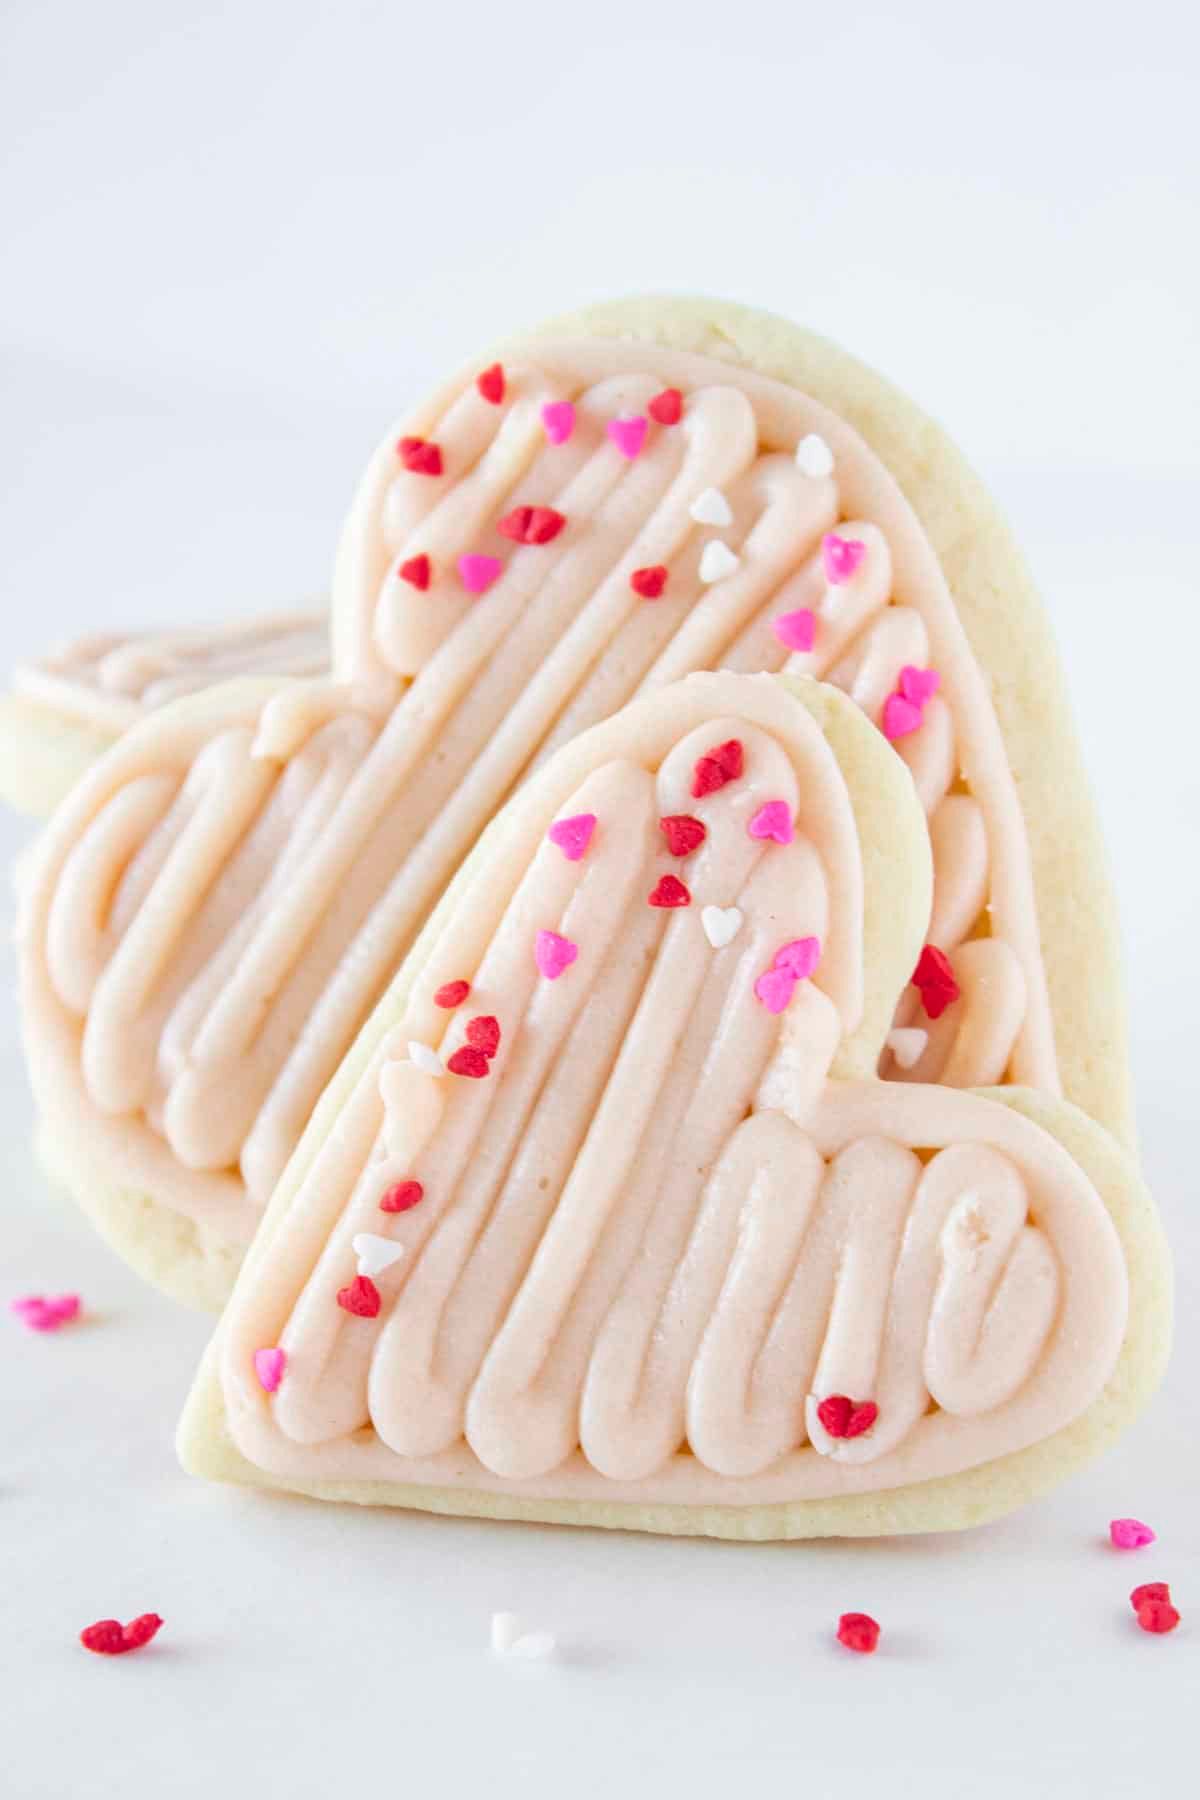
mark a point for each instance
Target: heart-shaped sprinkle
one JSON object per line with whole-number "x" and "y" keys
{"x": 417, "y": 572}
{"x": 1157, "y": 1616}
{"x": 425, "y": 1058}
{"x": 800, "y": 958}
{"x": 796, "y": 629}
{"x": 360, "y": 1297}
{"x": 531, "y": 524}
{"x": 669, "y": 891}
{"x": 470, "y": 1061}
{"x": 374, "y": 1253}
{"x": 484, "y": 1034}
{"x": 846, "y": 1418}
{"x": 572, "y": 836}
{"x": 814, "y": 458}
{"x": 858, "y": 1632}
{"x": 1149, "y": 1590}
{"x": 108, "y": 1637}
{"x": 907, "y": 1044}
{"x": 719, "y": 766}
{"x": 46, "y": 1312}
{"x": 773, "y": 820}
{"x": 721, "y": 924}
{"x": 510, "y": 1638}
{"x": 683, "y": 833}
{"x": 711, "y": 508}
{"x": 553, "y": 954}
{"x": 419, "y": 457}
{"x": 628, "y": 435}
{"x": 477, "y": 573}
{"x": 558, "y": 420}
{"x": 269, "y": 1366}
{"x": 402, "y": 1196}
{"x": 900, "y": 717}
{"x": 919, "y": 685}
{"x": 717, "y": 561}
{"x": 1130, "y": 1534}
{"x": 649, "y": 583}
{"x": 934, "y": 979}
{"x": 775, "y": 988}
{"x": 841, "y": 557}
{"x": 666, "y": 408}
{"x": 491, "y": 384}
{"x": 452, "y": 994}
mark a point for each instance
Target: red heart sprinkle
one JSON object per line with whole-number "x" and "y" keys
{"x": 649, "y": 583}
{"x": 469, "y": 1060}
{"x": 683, "y": 833}
{"x": 666, "y": 408}
{"x": 361, "y": 1298}
{"x": 858, "y": 1631}
{"x": 531, "y": 524}
{"x": 846, "y": 1418}
{"x": 934, "y": 977}
{"x": 484, "y": 1033}
{"x": 491, "y": 383}
{"x": 419, "y": 457}
{"x": 402, "y": 1196}
{"x": 1157, "y": 1616}
{"x": 416, "y": 572}
{"x": 670, "y": 892}
{"x": 452, "y": 994}
{"x": 108, "y": 1637}
{"x": 723, "y": 764}
{"x": 1149, "y": 1590}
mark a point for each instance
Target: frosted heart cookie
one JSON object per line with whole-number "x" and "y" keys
{"x": 66, "y": 708}
{"x": 594, "y": 513}
{"x": 604, "y": 1223}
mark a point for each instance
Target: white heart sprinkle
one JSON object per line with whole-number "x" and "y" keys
{"x": 711, "y": 508}
{"x": 424, "y": 1058}
{"x": 814, "y": 457}
{"x": 717, "y": 560}
{"x": 506, "y": 1629}
{"x": 509, "y": 1638}
{"x": 907, "y": 1044}
{"x": 721, "y": 924}
{"x": 375, "y": 1253}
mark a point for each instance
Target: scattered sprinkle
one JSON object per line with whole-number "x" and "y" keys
{"x": 846, "y": 1418}
{"x": 108, "y": 1637}
{"x": 907, "y": 1044}
{"x": 859, "y": 1632}
{"x": 713, "y": 770}
{"x": 402, "y": 1196}
{"x": 796, "y": 629}
{"x": 532, "y": 524}
{"x": 649, "y": 583}
{"x": 491, "y": 384}
{"x": 417, "y": 571}
{"x": 669, "y": 891}
{"x": 1149, "y": 1590}
{"x": 558, "y": 420}
{"x": 721, "y": 924}
{"x": 933, "y": 977}
{"x": 814, "y": 457}
{"x": 374, "y": 1255}
{"x": 1129, "y": 1534}
{"x": 716, "y": 561}
{"x": 683, "y": 833}
{"x": 553, "y": 954}
{"x": 904, "y": 710}
{"x": 773, "y": 820}
{"x": 794, "y": 963}
{"x": 841, "y": 557}
{"x": 509, "y": 1638}
{"x": 628, "y": 435}
{"x": 477, "y": 573}
{"x": 919, "y": 685}
{"x": 484, "y": 1034}
{"x": 572, "y": 836}
{"x": 1156, "y": 1613}
{"x": 419, "y": 457}
{"x": 666, "y": 408}
{"x": 425, "y": 1058}
{"x": 46, "y": 1312}
{"x": 711, "y": 508}
{"x": 361, "y": 1298}
{"x": 452, "y": 994}
{"x": 469, "y": 1060}
{"x": 269, "y": 1366}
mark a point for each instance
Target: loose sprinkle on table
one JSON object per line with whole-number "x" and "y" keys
{"x": 108, "y": 1637}
{"x": 859, "y": 1632}
{"x": 1129, "y": 1534}
{"x": 46, "y": 1312}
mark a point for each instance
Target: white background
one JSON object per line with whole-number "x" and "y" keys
{"x": 238, "y": 238}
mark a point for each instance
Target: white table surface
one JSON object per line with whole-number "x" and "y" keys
{"x": 217, "y": 300}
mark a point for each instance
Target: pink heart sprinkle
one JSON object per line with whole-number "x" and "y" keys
{"x": 919, "y": 685}
{"x": 46, "y": 1312}
{"x": 558, "y": 417}
{"x": 269, "y": 1366}
{"x": 1130, "y": 1534}
{"x": 796, "y": 629}
{"x": 900, "y": 717}
{"x": 773, "y": 820}
{"x": 628, "y": 435}
{"x": 553, "y": 954}
{"x": 775, "y": 988}
{"x": 841, "y": 556}
{"x": 478, "y": 572}
{"x": 573, "y": 835}
{"x": 799, "y": 958}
